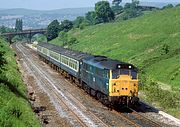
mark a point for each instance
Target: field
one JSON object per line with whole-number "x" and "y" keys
{"x": 151, "y": 42}
{"x": 15, "y": 110}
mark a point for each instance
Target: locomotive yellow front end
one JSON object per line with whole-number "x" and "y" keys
{"x": 123, "y": 85}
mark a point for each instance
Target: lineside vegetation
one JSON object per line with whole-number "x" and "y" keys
{"x": 15, "y": 110}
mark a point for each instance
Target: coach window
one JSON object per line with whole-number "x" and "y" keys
{"x": 56, "y": 56}
{"x": 62, "y": 58}
{"x": 65, "y": 60}
{"x": 51, "y": 54}
{"x": 70, "y": 63}
{"x": 75, "y": 67}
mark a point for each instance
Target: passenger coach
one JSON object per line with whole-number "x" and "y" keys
{"x": 66, "y": 60}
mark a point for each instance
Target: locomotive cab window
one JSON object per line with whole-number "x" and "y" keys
{"x": 134, "y": 74}
{"x": 118, "y": 72}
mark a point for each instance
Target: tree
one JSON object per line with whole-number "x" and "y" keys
{"x": 168, "y": 6}
{"x": 52, "y": 30}
{"x": 131, "y": 10}
{"x": 177, "y": 5}
{"x": 79, "y": 20}
{"x": 91, "y": 18}
{"x": 39, "y": 38}
{"x": 116, "y": 6}
{"x": 104, "y": 12}
{"x": 4, "y": 29}
{"x": 116, "y": 2}
{"x": 63, "y": 37}
{"x": 66, "y": 25}
{"x": 18, "y": 25}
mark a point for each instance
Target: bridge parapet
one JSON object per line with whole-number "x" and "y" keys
{"x": 30, "y": 33}
{"x": 26, "y": 32}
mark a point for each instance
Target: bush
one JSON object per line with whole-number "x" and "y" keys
{"x": 72, "y": 40}
{"x": 166, "y": 99}
{"x": 165, "y": 49}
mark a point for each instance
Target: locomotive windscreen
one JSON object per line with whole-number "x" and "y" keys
{"x": 118, "y": 72}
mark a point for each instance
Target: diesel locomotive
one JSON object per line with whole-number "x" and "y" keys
{"x": 110, "y": 81}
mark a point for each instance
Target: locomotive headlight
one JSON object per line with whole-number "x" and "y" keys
{"x": 129, "y": 67}
{"x": 119, "y": 66}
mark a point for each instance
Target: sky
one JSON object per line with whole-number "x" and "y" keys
{"x": 58, "y": 4}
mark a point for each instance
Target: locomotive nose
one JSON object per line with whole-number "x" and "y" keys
{"x": 123, "y": 86}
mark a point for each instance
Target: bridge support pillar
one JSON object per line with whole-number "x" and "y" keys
{"x": 9, "y": 38}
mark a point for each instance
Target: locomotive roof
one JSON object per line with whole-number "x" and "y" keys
{"x": 67, "y": 52}
{"x": 106, "y": 63}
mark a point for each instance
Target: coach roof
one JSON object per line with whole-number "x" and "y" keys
{"x": 63, "y": 51}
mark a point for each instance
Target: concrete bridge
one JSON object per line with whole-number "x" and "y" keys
{"x": 30, "y": 33}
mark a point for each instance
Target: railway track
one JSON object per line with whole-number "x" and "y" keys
{"x": 138, "y": 120}
{"x": 63, "y": 100}
{"x": 135, "y": 119}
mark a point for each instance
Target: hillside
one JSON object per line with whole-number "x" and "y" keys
{"x": 15, "y": 110}
{"x": 151, "y": 42}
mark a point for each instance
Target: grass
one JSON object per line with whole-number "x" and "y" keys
{"x": 15, "y": 110}
{"x": 140, "y": 41}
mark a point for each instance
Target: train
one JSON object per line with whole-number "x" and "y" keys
{"x": 110, "y": 81}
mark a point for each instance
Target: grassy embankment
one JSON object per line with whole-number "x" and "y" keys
{"x": 152, "y": 43}
{"x": 15, "y": 110}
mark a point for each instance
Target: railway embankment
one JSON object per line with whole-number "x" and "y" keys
{"x": 15, "y": 110}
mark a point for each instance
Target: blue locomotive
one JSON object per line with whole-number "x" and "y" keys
{"x": 110, "y": 81}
